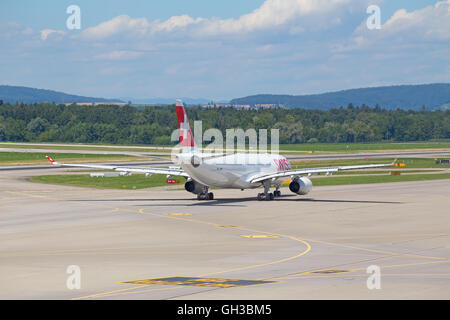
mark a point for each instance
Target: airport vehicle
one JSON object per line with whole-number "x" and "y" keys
{"x": 236, "y": 170}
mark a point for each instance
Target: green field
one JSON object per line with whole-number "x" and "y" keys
{"x": 409, "y": 163}
{"x": 304, "y": 147}
{"x": 20, "y": 158}
{"x": 355, "y": 147}
{"x": 136, "y": 181}
{"x": 339, "y": 173}
{"x": 36, "y": 157}
{"x": 140, "y": 181}
{"x": 93, "y": 147}
{"x": 334, "y": 181}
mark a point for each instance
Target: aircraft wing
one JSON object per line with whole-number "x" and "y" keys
{"x": 299, "y": 172}
{"x": 151, "y": 170}
{"x": 147, "y": 156}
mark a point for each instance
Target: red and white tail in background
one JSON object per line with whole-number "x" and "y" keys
{"x": 186, "y": 138}
{"x": 51, "y": 160}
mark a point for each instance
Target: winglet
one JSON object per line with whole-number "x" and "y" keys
{"x": 51, "y": 160}
{"x": 394, "y": 162}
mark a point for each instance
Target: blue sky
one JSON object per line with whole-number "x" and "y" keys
{"x": 46, "y": 14}
{"x": 51, "y": 14}
{"x": 222, "y": 49}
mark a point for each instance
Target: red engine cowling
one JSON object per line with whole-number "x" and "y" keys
{"x": 301, "y": 185}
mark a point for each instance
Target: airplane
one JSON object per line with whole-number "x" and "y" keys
{"x": 234, "y": 171}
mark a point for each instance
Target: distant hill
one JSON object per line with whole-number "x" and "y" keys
{"x": 186, "y": 100}
{"x": 28, "y": 95}
{"x": 433, "y": 96}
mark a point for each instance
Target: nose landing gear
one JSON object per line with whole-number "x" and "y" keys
{"x": 205, "y": 195}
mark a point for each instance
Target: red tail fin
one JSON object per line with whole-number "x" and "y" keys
{"x": 186, "y": 137}
{"x": 51, "y": 160}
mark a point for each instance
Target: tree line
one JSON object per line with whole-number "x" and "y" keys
{"x": 48, "y": 122}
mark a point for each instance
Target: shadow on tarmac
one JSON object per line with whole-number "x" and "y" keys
{"x": 234, "y": 201}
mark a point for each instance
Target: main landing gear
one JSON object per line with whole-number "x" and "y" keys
{"x": 205, "y": 195}
{"x": 266, "y": 195}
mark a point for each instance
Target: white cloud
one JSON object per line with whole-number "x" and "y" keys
{"x": 176, "y": 22}
{"x": 118, "y": 25}
{"x": 284, "y": 46}
{"x": 47, "y": 32}
{"x": 273, "y": 13}
{"x": 27, "y": 31}
{"x": 431, "y": 23}
{"x": 298, "y": 15}
{"x": 13, "y": 30}
{"x": 120, "y": 55}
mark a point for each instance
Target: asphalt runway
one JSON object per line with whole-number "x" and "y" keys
{"x": 317, "y": 246}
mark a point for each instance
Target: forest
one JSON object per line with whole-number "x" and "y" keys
{"x": 49, "y": 122}
{"x": 434, "y": 96}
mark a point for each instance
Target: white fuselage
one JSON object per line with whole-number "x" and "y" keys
{"x": 234, "y": 170}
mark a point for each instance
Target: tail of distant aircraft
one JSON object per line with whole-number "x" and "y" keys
{"x": 51, "y": 160}
{"x": 186, "y": 138}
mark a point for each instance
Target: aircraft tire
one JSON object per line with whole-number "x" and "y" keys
{"x": 201, "y": 196}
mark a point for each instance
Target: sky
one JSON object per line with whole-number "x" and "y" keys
{"x": 222, "y": 49}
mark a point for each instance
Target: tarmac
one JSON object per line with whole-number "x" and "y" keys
{"x": 374, "y": 241}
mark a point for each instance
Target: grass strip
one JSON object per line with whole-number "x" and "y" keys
{"x": 136, "y": 181}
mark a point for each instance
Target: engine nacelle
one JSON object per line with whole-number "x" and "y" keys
{"x": 300, "y": 185}
{"x": 193, "y": 186}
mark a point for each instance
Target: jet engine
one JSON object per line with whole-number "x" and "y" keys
{"x": 300, "y": 185}
{"x": 193, "y": 186}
